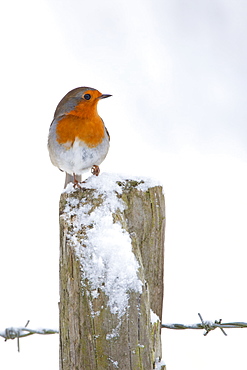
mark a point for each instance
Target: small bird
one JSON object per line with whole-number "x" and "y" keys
{"x": 78, "y": 139}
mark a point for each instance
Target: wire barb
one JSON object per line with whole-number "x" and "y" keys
{"x": 12, "y": 333}
{"x": 207, "y": 325}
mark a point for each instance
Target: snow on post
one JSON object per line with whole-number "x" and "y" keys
{"x": 111, "y": 274}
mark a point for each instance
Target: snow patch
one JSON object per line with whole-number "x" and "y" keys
{"x": 106, "y": 252}
{"x": 159, "y": 364}
{"x": 114, "y": 363}
{"x": 109, "y": 182}
{"x": 153, "y": 317}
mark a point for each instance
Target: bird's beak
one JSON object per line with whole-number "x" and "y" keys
{"x": 103, "y": 96}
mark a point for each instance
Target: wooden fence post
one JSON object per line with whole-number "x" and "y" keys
{"x": 111, "y": 275}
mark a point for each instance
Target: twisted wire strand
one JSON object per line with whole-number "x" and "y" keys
{"x": 17, "y": 333}
{"x": 207, "y": 325}
{"x": 13, "y": 333}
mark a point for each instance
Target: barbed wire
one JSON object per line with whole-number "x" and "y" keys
{"x": 13, "y": 333}
{"x": 207, "y": 325}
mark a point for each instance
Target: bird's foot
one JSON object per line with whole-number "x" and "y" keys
{"x": 76, "y": 182}
{"x": 77, "y": 185}
{"x": 95, "y": 170}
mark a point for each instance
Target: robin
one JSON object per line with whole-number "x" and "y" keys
{"x": 78, "y": 139}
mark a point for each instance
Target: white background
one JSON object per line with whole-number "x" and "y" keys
{"x": 178, "y": 74}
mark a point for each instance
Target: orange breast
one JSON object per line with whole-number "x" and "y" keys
{"x": 89, "y": 130}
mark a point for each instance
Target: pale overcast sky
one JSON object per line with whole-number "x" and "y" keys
{"x": 178, "y": 75}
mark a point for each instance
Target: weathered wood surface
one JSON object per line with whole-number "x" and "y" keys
{"x": 92, "y": 336}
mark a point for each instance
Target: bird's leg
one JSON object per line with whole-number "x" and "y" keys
{"x": 95, "y": 170}
{"x": 76, "y": 182}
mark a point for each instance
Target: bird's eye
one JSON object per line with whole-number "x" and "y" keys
{"x": 87, "y": 96}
